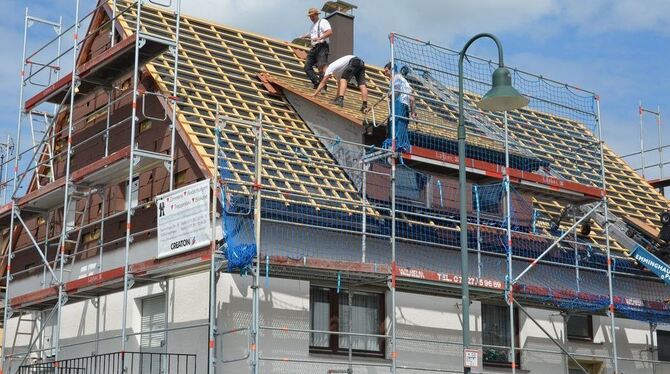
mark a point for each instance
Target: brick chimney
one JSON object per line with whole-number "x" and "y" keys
{"x": 340, "y": 14}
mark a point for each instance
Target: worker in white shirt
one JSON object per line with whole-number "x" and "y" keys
{"x": 319, "y": 37}
{"x": 405, "y": 109}
{"x": 343, "y": 69}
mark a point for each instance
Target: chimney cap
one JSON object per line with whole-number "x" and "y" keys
{"x": 338, "y": 6}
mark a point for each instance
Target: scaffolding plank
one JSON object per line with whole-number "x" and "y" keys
{"x": 113, "y": 168}
{"x": 103, "y": 69}
{"x": 45, "y": 198}
{"x": 104, "y": 171}
{"x": 112, "y": 280}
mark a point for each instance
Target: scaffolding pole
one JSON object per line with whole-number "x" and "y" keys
{"x": 7, "y": 150}
{"x": 508, "y": 229}
{"x": 66, "y": 201}
{"x": 7, "y": 314}
{"x": 644, "y": 165}
{"x": 137, "y": 153}
{"x": 173, "y": 99}
{"x": 393, "y": 159}
{"x": 660, "y": 141}
{"x": 213, "y": 275}
{"x": 131, "y": 174}
{"x": 258, "y": 192}
{"x": 607, "y": 237}
{"x": 641, "y": 140}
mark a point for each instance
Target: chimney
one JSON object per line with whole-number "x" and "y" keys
{"x": 340, "y": 14}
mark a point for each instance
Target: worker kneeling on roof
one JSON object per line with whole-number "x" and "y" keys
{"x": 343, "y": 69}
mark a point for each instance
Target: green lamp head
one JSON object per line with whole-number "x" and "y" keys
{"x": 502, "y": 96}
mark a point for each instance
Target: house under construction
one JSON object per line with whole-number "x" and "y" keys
{"x": 331, "y": 249}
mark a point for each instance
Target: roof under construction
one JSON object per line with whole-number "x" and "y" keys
{"x": 246, "y": 74}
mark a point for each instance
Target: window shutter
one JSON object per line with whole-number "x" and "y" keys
{"x": 153, "y": 319}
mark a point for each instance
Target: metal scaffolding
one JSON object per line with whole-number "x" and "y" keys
{"x": 37, "y": 188}
{"x": 657, "y": 176}
{"x": 381, "y": 217}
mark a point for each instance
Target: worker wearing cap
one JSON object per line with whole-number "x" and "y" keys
{"x": 343, "y": 69}
{"x": 405, "y": 109}
{"x": 319, "y": 37}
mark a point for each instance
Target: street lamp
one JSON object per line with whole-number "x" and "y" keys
{"x": 501, "y": 97}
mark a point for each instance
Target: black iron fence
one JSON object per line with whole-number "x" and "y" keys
{"x": 118, "y": 363}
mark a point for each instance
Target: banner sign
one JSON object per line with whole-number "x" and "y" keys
{"x": 184, "y": 221}
{"x": 651, "y": 262}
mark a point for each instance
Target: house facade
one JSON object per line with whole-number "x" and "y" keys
{"x": 358, "y": 266}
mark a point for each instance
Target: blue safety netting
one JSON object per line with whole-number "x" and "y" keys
{"x": 237, "y": 225}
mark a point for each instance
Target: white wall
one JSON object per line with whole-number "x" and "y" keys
{"x": 285, "y": 304}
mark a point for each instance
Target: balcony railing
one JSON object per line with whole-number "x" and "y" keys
{"x": 118, "y": 363}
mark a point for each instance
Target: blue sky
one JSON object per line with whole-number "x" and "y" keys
{"x": 617, "y": 48}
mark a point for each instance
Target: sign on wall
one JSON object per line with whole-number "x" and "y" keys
{"x": 472, "y": 358}
{"x": 184, "y": 219}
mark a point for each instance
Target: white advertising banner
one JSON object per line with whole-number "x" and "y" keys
{"x": 184, "y": 219}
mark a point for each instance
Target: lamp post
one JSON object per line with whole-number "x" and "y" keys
{"x": 501, "y": 97}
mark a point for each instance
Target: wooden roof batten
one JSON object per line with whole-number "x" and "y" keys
{"x": 567, "y": 190}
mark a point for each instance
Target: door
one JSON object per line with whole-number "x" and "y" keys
{"x": 153, "y": 338}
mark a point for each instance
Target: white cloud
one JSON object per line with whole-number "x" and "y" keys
{"x": 444, "y": 20}
{"x": 598, "y": 16}
{"x": 435, "y": 20}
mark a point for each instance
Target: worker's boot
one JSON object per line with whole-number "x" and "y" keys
{"x": 339, "y": 101}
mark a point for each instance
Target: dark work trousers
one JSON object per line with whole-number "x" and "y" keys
{"x": 317, "y": 56}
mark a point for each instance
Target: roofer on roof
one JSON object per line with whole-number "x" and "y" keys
{"x": 319, "y": 37}
{"x": 343, "y": 69}
{"x": 404, "y": 109}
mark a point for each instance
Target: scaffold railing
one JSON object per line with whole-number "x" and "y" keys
{"x": 53, "y": 187}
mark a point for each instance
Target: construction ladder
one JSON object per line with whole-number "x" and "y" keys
{"x": 40, "y": 131}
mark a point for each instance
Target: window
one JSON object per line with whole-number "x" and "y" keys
{"x": 496, "y": 332}
{"x": 329, "y": 311}
{"x": 580, "y": 327}
{"x": 663, "y": 345}
{"x": 488, "y": 198}
{"x": 410, "y": 186}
